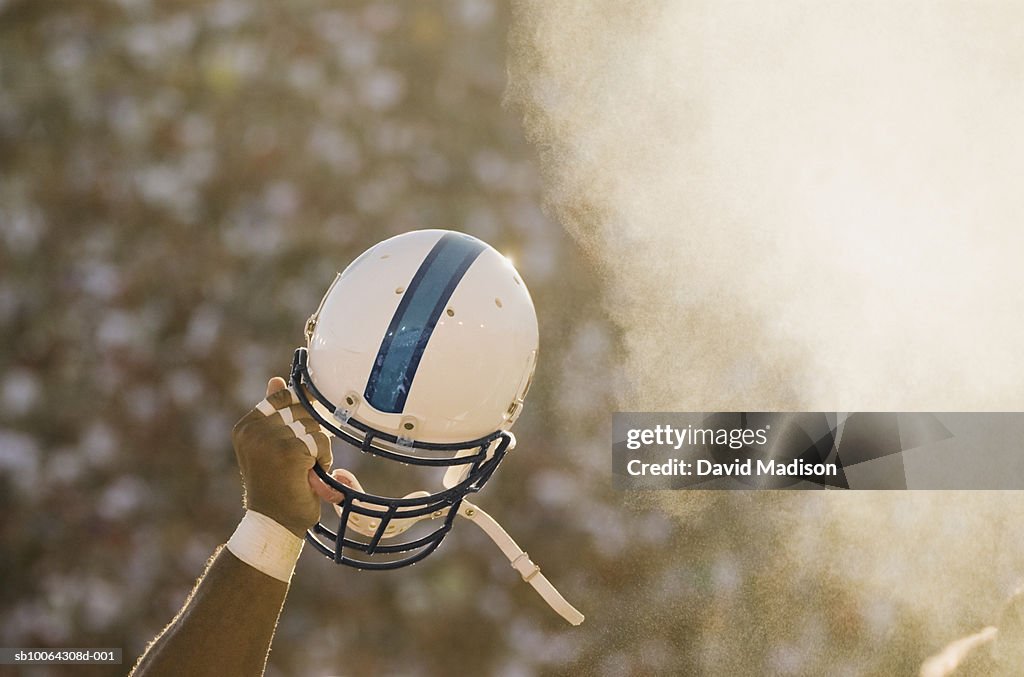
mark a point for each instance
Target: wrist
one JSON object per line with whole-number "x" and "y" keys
{"x": 265, "y": 545}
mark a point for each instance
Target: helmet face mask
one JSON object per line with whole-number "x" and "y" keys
{"x": 378, "y": 517}
{"x": 420, "y": 352}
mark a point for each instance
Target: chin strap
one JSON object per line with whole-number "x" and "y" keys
{"x": 521, "y": 562}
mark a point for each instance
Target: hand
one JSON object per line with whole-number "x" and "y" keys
{"x": 276, "y": 454}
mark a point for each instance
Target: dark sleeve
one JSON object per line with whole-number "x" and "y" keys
{"x": 225, "y": 627}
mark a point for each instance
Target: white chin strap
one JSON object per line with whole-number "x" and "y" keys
{"x": 367, "y": 526}
{"x": 521, "y": 562}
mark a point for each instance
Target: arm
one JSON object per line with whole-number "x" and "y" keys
{"x": 225, "y": 627}
{"x": 227, "y": 623}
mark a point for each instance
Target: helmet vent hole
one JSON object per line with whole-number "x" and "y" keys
{"x": 450, "y": 312}
{"x": 399, "y": 290}
{"x": 516, "y": 278}
{"x": 385, "y": 256}
{"x": 497, "y": 302}
{"x": 408, "y": 426}
{"x": 350, "y": 400}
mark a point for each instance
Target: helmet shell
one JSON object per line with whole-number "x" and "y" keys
{"x": 430, "y": 336}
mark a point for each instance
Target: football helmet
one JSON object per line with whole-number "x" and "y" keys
{"x": 421, "y": 352}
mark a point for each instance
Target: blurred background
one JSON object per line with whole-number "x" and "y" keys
{"x": 179, "y": 182}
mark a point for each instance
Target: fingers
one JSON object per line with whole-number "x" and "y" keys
{"x": 275, "y": 384}
{"x": 281, "y": 409}
{"x": 294, "y": 412}
{"x": 327, "y": 493}
{"x": 317, "y": 443}
{"x": 347, "y": 478}
{"x": 279, "y": 399}
{"x": 323, "y": 491}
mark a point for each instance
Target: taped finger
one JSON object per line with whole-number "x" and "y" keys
{"x": 277, "y": 401}
{"x": 310, "y": 444}
{"x": 294, "y": 395}
{"x": 299, "y": 430}
{"x": 319, "y": 446}
{"x": 282, "y": 398}
{"x": 324, "y": 456}
{"x": 299, "y": 412}
{"x": 320, "y": 438}
{"x": 312, "y": 426}
{"x": 304, "y": 426}
{"x": 286, "y": 415}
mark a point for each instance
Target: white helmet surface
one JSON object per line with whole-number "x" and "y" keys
{"x": 430, "y": 336}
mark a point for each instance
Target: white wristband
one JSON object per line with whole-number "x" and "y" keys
{"x": 265, "y": 545}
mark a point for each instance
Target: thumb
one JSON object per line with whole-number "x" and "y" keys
{"x": 327, "y": 493}
{"x": 275, "y": 384}
{"x": 347, "y": 478}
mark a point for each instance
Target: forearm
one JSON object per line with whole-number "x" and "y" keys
{"x": 225, "y": 627}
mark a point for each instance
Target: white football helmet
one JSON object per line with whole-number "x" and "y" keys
{"x": 422, "y": 351}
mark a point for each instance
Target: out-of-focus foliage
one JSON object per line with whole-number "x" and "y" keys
{"x": 178, "y": 183}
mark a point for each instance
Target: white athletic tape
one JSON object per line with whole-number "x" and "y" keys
{"x": 265, "y": 545}
{"x": 265, "y": 408}
{"x": 300, "y": 432}
{"x": 286, "y": 415}
{"x": 310, "y": 443}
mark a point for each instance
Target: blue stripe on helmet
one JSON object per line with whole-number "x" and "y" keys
{"x": 415, "y": 318}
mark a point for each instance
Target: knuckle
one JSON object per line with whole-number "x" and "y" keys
{"x": 324, "y": 452}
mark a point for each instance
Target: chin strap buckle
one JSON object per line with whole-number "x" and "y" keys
{"x": 525, "y": 566}
{"x": 521, "y": 562}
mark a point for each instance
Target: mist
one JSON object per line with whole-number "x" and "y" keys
{"x": 815, "y": 207}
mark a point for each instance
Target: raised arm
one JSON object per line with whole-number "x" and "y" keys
{"x": 227, "y": 624}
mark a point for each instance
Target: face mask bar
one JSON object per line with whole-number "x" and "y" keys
{"x": 390, "y": 513}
